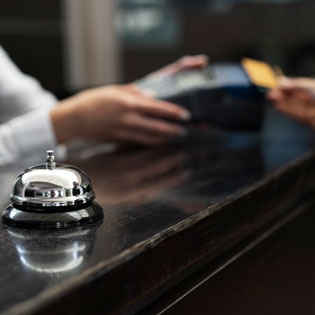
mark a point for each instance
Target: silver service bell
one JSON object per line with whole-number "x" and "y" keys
{"x": 52, "y": 195}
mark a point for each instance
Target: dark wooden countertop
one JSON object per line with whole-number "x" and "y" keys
{"x": 168, "y": 213}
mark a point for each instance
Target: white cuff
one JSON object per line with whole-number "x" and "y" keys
{"x": 33, "y": 133}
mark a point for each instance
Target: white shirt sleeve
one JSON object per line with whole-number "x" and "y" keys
{"x": 25, "y": 125}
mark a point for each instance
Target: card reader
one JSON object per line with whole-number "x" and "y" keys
{"x": 223, "y": 94}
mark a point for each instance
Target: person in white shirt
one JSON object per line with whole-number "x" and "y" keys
{"x": 25, "y": 125}
{"x": 33, "y": 120}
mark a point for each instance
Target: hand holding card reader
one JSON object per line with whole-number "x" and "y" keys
{"x": 226, "y": 95}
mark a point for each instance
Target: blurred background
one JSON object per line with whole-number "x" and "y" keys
{"x": 73, "y": 44}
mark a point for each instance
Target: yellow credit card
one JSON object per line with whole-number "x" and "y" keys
{"x": 260, "y": 73}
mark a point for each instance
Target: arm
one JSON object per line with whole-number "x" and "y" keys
{"x": 25, "y": 124}
{"x": 20, "y": 93}
{"x": 118, "y": 114}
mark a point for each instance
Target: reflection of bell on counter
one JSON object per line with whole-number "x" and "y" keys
{"x": 68, "y": 250}
{"x": 52, "y": 196}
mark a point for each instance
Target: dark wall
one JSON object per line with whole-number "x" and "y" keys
{"x": 282, "y": 34}
{"x": 31, "y": 33}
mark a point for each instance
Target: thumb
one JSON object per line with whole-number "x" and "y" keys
{"x": 296, "y": 88}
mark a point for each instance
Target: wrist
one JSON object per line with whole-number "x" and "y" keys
{"x": 65, "y": 122}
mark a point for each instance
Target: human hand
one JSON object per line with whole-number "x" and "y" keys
{"x": 184, "y": 63}
{"x": 117, "y": 114}
{"x": 303, "y": 88}
{"x": 296, "y": 98}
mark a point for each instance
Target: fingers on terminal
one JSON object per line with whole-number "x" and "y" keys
{"x": 153, "y": 126}
{"x": 153, "y": 107}
{"x": 167, "y": 110}
{"x": 193, "y": 61}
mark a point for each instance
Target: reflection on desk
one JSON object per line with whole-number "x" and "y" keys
{"x": 67, "y": 251}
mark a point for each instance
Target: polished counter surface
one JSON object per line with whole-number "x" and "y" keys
{"x": 168, "y": 212}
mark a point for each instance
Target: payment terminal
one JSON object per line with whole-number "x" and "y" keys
{"x": 226, "y": 95}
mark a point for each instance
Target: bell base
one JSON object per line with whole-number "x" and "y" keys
{"x": 31, "y": 220}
